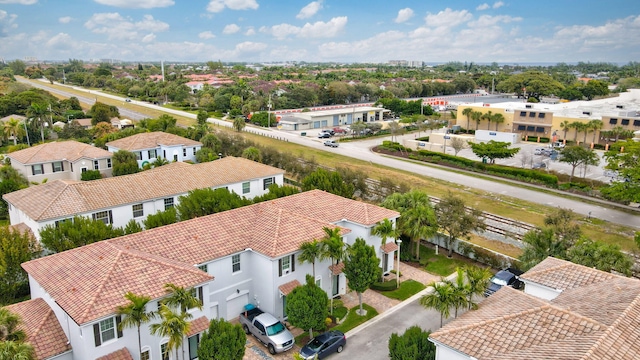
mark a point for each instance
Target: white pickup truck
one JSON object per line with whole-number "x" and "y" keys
{"x": 266, "y": 328}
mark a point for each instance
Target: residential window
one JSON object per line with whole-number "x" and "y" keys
{"x": 104, "y": 216}
{"x": 96, "y": 165}
{"x": 539, "y": 129}
{"x": 613, "y": 121}
{"x": 153, "y": 154}
{"x": 184, "y": 152}
{"x": 541, "y": 115}
{"x": 138, "y": 211}
{"x": 532, "y": 114}
{"x": 145, "y": 355}
{"x": 521, "y": 127}
{"x": 198, "y": 294}
{"x": 523, "y": 113}
{"x": 246, "y": 187}
{"x": 37, "y": 169}
{"x": 164, "y": 154}
{"x": 57, "y": 166}
{"x": 235, "y": 263}
{"x": 267, "y": 182}
{"x": 175, "y": 157}
{"x": 194, "y": 151}
{"x": 163, "y": 351}
{"x": 624, "y": 122}
{"x": 168, "y": 203}
{"x": 108, "y": 163}
{"x": 636, "y": 122}
{"x": 286, "y": 265}
{"x": 193, "y": 346}
{"x": 138, "y": 155}
{"x": 531, "y": 128}
{"x": 106, "y": 330}
{"x": 58, "y": 222}
{"x": 203, "y": 267}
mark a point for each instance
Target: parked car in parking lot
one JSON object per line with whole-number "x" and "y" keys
{"x": 328, "y": 131}
{"x": 538, "y": 151}
{"x": 324, "y": 345}
{"x": 324, "y": 135}
{"x": 539, "y": 165}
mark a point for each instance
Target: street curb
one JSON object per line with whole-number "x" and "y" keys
{"x": 391, "y": 311}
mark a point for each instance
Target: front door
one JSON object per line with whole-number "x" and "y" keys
{"x": 385, "y": 263}
{"x": 336, "y": 285}
{"x": 284, "y": 307}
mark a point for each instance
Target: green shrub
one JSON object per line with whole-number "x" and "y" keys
{"x": 90, "y": 175}
{"x": 384, "y": 285}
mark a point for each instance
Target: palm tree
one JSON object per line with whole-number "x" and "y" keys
{"x": 15, "y": 350}
{"x": 467, "y": 112}
{"x": 420, "y": 223}
{"x": 595, "y": 125}
{"x": 477, "y": 117}
{"x": 487, "y": 116}
{"x": 310, "y": 252}
{"x": 174, "y": 326}
{"x": 9, "y": 326}
{"x": 134, "y": 314}
{"x": 183, "y": 299}
{"x": 577, "y": 126}
{"x": 239, "y": 123}
{"x": 461, "y": 289}
{"x": 38, "y": 113}
{"x": 13, "y": 127}
{"x": 440, "y": 299}
{"x": 498, "y": 119}
{"x": 333, "y": 248}
{"x": 385, "y": 229}
{"x": 565, "y": 126}
{"x": 478, "y": 280}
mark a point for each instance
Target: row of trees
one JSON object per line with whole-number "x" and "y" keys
{"x": 478, "y": 116}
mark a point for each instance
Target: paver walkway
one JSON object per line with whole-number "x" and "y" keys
{"x": 256, "y": 351}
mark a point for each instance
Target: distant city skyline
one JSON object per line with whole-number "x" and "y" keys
{"x": 375, "y": 31}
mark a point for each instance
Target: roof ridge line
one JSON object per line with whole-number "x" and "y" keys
{"x": 39, "y": 148}
{"x": 44, "y": 320}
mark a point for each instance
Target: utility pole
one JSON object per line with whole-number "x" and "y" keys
{"x": 269, "y": 113}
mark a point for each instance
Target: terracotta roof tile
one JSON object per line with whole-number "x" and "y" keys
{"x": 65, "y": 198}
{"x": 56, "y": 151}
{"x": 151, "y": 140}
{"x": 336, "y": 269}
{"x": 565, "y": 275}
{"x": 42, "y": 328}
{"x": 287, "y": 288}
{"x": 198, "y": 325}
{"x": 122, "y": 354}
{"x": 389, "y": 247}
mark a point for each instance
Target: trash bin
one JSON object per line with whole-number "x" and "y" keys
{"x": 484, "y": 160}
{"x": 303, "y": 134}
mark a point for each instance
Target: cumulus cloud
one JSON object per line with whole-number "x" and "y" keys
{"x": 250, "y": 31}
{"x": 117, "y": 27}
{"x": 311, "y": 9}
{"x": 249, "y": 46}
{"x": 481, "y": 7}
{"x": 231, "y": 29}
{"x": 137, "y": 4}
{"x": 64, "y": 20}
{"x": 60, "y": 42}
{"x": 404, "y": 15}
{"x": 216, "y": 6}
{"x": 20, "y": 2}
{"x": 7, "y": 22}
{"x": 448, "y": 18}
{"x": 498, "y": 4}
{"x": 206, "y": 35}
{"x": 319, "y": 29}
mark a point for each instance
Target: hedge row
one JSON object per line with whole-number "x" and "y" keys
{"x": 384, "y": 285}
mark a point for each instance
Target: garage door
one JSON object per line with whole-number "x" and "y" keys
{"x": 236, "y": 305}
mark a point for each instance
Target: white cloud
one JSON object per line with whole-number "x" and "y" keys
{"x": 311, "y": 9}
{"x": 249, "y": 46}
{"x": 216, "y": 6}
{"x": 250, "y": 32}
{"x": 64, "y": 20}
{"x": 60, "y": 42}
{"x": 20, "y": 2}
{"x": 498, "y": 4}
{"x": 319, "y": 29}
{"x": 231, "y": 29}
{"x": 149, "y": 38}
{"x": 137, "y": 4}
{"x": 7, "y": 22}
{"x": 116, "y": 27}
{"x": 206, "y": 35}
{"x": 448, "y": 18}
{"x": 481, "y": 7}
{"x": 488, "y": 21}
{"x": 404, "y": 15}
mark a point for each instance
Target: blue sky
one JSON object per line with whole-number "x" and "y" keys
{"x": 510, "y": 31}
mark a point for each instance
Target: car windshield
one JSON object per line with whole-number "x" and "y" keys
{"x": 274, "y": 329}
{"x": 315, "y": 344}
{"x": 498, "y": 281}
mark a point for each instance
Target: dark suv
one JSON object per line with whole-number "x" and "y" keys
{"x": 506, "y": 277}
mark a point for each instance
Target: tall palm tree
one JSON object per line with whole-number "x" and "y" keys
{"x": 440, "y": 299}
{"x": 310, "y": 252}
{"x": 183, "y": 299}
{"x": 595, "y": 125}
{"x": 467, "y": 112}
{"x": 487, "y": 116}
{"x": 38, "y": 113}
{"x": 13, "y": 127}
{"x": 173, "y": 325}
{"x": 385, "y": 229}
{"x": 420, "y": 223}
{"x": 461, "y": 289}
{"x": 478, "y": 280}
{"x": 577, "y": 126}
{"x": 239, "y": 123}
{"x": 565, "y": 126}
{"x": 333, "y": 248}
{"x": 15, "y": 350}
{"x": 134, "y": 314}
{"x": 498, "y": 119}
{"x": 9, "y": 326}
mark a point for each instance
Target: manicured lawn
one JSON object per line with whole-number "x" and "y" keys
{"x": 439, "y": 264}
{"x": 407, "y": 289}
{"x": 353, "y": 319}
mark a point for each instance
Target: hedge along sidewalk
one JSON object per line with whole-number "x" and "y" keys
{"x": 396, "y": 308}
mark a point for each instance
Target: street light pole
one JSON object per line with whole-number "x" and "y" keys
{"x": 269, "y": 113}
{"x": 398, "y": 268}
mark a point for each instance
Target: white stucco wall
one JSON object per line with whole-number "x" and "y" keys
{"x": 540, "y": 291}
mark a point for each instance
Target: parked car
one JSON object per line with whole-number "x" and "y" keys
{"x": 127, "y": 100}
{"x": 506, "y": 277}
{"x": 328, "y": 131}
{"x": 539, "y": 165}
{"x": 557, "y": 144}
{"x": 324, "y": 345}
{"x": 538, "y": 151}
{"x": 266, "y": 328}
{"x": 331, "y": 143}
{"x": 338, "y": 130}
{"x": 324, "y": 135}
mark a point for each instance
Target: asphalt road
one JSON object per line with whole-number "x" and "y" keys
{"x": 361, "y": 150}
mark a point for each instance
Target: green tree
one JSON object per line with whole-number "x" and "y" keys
{"x": 578, "y": 155}
{"x": 91, "y": 175}
{"x": 307, "y": 306}
{"x": 135, "y": 313}
{"x": 478, "y": 280}
{"x": 101, "y": 112}
{"x": 385, "y": 229}
{"x": 456, "y": 219}
{"x": 276, "y": 191}
{"x": 599, "y": 255}
{"x": 239, "y": 123}
{"x": 252, "y": 153}
{"x": 161, "y": 218}
{"x": 329, "y": 181}
{"x": 173, "y": 326}
{"x": 10, "y": 180}
{"x": 493, "y": 150}
{"x": 626, "y": 187}
{"x": 202, "y": 117}
{"x": 487, "y": 116}
{"x": 15, "y": 248}
{"x": 132, "y": 227}
{"x": 38, "y": 113}
{"x": 467, "y": 112}
{"x": 311, "y": 251}
{"x": 498, "y": 119}
{"x": 201, "y": 202}
{"x": 540, "y": 244}
{"x": 182, "y": 299}
{"x": 414, "y": 344}
{"x": 13, "y": 350}
{"x": 565, "y": 126}
{"x": 10, "y": 326}
{"x": 205, "y": 155}
{"x": 76, "y": 232}
{"x": 440, "y": 299}
{"x": 124, "y": 163}
{"x": 13, "y": 128}
{"x": 361, "y": 268}
{"x": 461, "y": 292}
{"x": 222, "y": 341}
{"x": 595, "y": 126}
{"x": 477, "y": 117}
{"x": 333, "y": 248}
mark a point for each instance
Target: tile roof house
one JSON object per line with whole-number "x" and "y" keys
{"x": 233, "y": 258}
{"x": 567, "y": 311}
{"x": 62, "y": 160}
{"x": 150, "y": 146}
{"x": 117, "y": 200}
